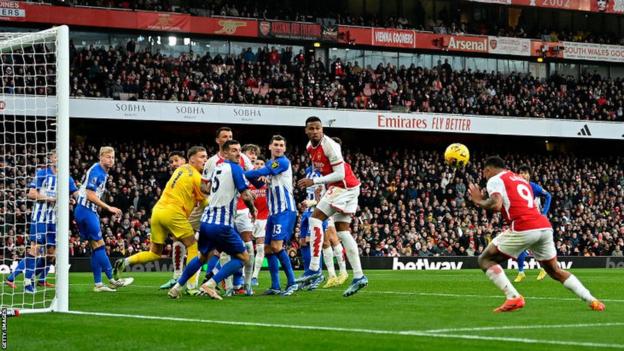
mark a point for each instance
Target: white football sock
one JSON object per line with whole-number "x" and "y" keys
{"x": 177, "y": 256}
{"x": 328, "y": 257}
{"x": 249, "y": 266}
{"x": 342, "y": 264}
{"x": 353, "y": 255}
{"x": 223, "y": 260}
{"x": 316, "y": 243}
{"x": 498, "y": 277}
{"x": 259, "y": 259}
{"x": 575, "y": 285}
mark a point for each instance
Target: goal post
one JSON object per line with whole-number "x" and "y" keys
{"x": 34, "y": 108}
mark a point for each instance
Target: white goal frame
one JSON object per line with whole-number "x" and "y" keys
{"x": 60, "y": 303}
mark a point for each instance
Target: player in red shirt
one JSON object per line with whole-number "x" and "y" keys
{"x": 261, "y": 220}
{"x": 340, "y": 201}
{"x": 511, "y": 194}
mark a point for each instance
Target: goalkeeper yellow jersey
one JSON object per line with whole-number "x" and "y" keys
{"x": 183, "y": 190}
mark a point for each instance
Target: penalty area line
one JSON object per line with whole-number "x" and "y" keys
{"x": 415, "y": 333}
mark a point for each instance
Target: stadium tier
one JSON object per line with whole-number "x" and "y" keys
{"x": 402, "y": 154}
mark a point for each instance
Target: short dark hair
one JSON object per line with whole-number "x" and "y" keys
{"x": 178, "y": 153}
{"x": 261, "y": 158}
{"x": 524, "y": 169}
{"x": 337, "y": 140}
{"x": 250, "y": 147}
{"x": 494, "y": 161}
{"x": 312, "y": 119}
{"x": 193, "y": 150}
{"x": 227, "y": 144}
{"x": 278, "y": 138}
{"x": 222, "y": 129}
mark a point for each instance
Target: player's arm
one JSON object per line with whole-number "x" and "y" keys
{"x": 33, "y": 192}
{"x": 206, "y": 177}
{"x": 539, "y": 191}
{"x": 92, "y": 196}
{"x": 241, "y": 185}
{"x": 493, "y": 202}
{"x": 92, "y": 184}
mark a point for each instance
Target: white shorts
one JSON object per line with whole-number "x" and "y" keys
{"x": 259, "y": 228}
{"x": 242, "y": 220}
{"x": 340, "y": 203}
{"x": 539, "y": 241}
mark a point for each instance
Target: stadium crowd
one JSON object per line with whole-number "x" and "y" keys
{"x": 411, "y": 204}
{"x": 272, "y": 77}
{"x": 444, "y": 22}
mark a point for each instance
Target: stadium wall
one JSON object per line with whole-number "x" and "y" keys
{"x": 336, "y": 118}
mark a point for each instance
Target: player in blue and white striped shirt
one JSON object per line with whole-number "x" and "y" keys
{"x": 86, "y": 215}
{"x": 42, "y": 231}
{"x": 217, "y": 231}
{"x": 282, "y": 214}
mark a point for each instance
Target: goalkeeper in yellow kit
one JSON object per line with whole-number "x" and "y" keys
{"x": 171, "y": 213}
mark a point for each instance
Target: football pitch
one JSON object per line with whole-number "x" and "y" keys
{"x": 415, "y": 310}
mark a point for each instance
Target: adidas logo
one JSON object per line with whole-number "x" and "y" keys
{"x": 584, "y": 131}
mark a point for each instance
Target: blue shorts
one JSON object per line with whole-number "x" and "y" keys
{"x": 88, "y": 223}
{"x": 280, "y": 227}
{"x": 43, "y": 233}
{"x": 223, "y": 238}
{"x": 304, "y": 227}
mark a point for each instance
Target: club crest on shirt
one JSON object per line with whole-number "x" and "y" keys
{"x": 275, "y": 164}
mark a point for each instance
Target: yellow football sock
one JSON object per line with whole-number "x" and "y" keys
{"x": 191, "y": 253}
{"x": 143, "y": 257}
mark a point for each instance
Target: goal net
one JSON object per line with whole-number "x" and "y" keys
{"x": 34, "y": 170}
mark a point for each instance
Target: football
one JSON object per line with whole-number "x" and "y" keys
{"x": 457, "y": 155}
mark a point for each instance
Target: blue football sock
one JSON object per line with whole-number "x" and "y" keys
{"x": 306, "y": 256}
{"x": 287, "y": 266}
{"x": 228, "y": 269}
{"x": 97, "y": 270}
{"x": 190, "y": 269}
{"x": 103, "y": 261}
{"x": 237, "y": 278}
{"x": 521, "y": 259}
{"x": 43, "y": 268}
{"x": 18, "y": 270}
{"x": 212, "y": 263}
{"x": 31, "y": 263}
{"x": 274, "y": 270}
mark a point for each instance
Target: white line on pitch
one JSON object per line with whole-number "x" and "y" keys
{"x": 357, "y": 330}
{"x": 532, "y": 326}
{"x": 416, "y": 293}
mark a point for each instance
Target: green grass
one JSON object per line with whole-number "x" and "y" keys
{"x": 403, "y": 301}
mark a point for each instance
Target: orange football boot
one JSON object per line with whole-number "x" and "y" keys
{"x": 597, "y": 306}
{"x": 511, "y": 305}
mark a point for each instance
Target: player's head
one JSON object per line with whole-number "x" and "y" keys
{"x": 492, "y": 166}
{"x": 277, "y": 146}
{"x": 222, "y": 135}
{"x": 232, "y": 150}
{"x": 107, "y": 157}
{"x": 259, "y": 162}
{"x": 251, "y": 150}
{"x": 314, "y": 129}
{"x": 52, "y": 157}
{"x": 176, "y": 159}
{"x": 525, "y": 172}
{"x": 197, "y": 157}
